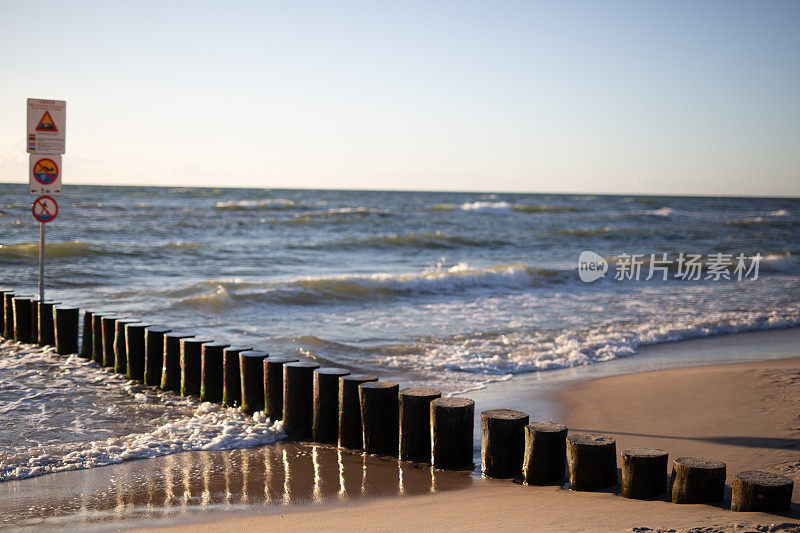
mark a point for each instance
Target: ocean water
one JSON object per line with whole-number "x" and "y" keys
{"x": 448, "y": 290}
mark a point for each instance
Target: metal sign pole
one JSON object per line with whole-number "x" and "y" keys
{"x": 41, "y": 261}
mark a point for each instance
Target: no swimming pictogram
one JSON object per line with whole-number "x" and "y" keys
{"x": 45, "y": 171}
{"x": 44, "y": 209}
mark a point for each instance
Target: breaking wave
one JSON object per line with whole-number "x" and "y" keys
{"x": 308, "y": 291}
{"x": 268, "y": 203}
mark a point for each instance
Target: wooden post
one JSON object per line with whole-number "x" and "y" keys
{"x": 379, "y": 417}
{"x": 545, "y": 457}
{"x": 191, "y": 363}
{"x": 298, "y": 398}
{"x": 120, "y": 351}
{"x": 134, "y": 349}
{"x": 697, "y": 480}
{"x": 350, "y": 433}
{"x": 34, "y": 334}
{"x": 232, "y": 382}
{"x": 86, "y": 340}
{"x": 3, "y": 292}
{"x": 97, "y": 337}
{"x": 452, "y": 423}
{"x": 273, "y": 386}
{"x": 108, "y": 325}
{"x": 325, "y": 423}
{"x": 46, "y": 327}
{"x": 22, "y": 318}
{"x": 251, "y": 370}
{"x": 502, "y": 442}
{"x": 8, "y": 314}
{"x": 644, "y": 473}
{"x": 211, "y": 371}
{"x": 415, "y": 423}
{"x": 66, "y": 329}
{"x": 171, "y": 362}
{"x": 154, "y": 354}
{"x": 765, "y": 492}
{"x": 592, "y": 461}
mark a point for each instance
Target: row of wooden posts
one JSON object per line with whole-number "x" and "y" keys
{"x": 332, "y": 406}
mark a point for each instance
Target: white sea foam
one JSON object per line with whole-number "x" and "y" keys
{"x": 487, "y": 207}
{"x": 267, "y": 203}
{"x": 82, "y": 415}
{"x": 660, "y": 212}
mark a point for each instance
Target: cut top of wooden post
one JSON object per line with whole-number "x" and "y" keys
{"x": 763, "y": 479}
{"x": 644, "y": 452}
{"x": 700, "y": 463}
{"x": 547, "y": 427}
{"x": 504, "y": 414}
{"x": 591, "y": 439}
{"x": 421, "y": 392}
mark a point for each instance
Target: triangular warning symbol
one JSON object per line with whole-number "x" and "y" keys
{"x": 46, "y": 124}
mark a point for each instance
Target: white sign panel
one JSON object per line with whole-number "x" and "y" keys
{"x": 45, "y": 174}
{"x": 47, "y": 126}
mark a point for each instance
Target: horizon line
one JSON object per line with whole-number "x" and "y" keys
{"x": 353, "y": 189}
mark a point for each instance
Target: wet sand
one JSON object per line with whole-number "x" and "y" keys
{"x": 190, "y": 485}
{"x": 745, "y": 414}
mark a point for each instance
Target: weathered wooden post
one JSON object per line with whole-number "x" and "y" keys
{"x": 34, "y": 335}
{"x": 452, "y": 422}
{"x": 108, "y": 332}
{"x": 350, "y": 434}
{"x": 232, "y": 382}
{"x": 273, "y": 385}
{"x": 86, "y": 339}
{"x": 545, "y": 457}
{"x": 697, "y": 480}
{"x": 66, "y": 329}
{"x": 298, "y": 398}
{"x": 3, "y": 292}
{"x": 191, "y": 363}
{"x": 97, "y": 336}
{"x": 251, "y": 369}
{"x": 134, "y": 349}
{"x": 154, "y": 354}
{"x": 46, "y": 326}
{"x": 8, "y": 314}
{"x": 211, "y": 371}
{"x": 22, "y": 318}
{"x": 171, "y": 363}
{"x": 379, "y": 417}
{"x": 120, "y": 350}
{"x": 592, "y": 461}
{"x": 766, "y": 492}
{"x": 325, "y": 423}
{"x": 644, "y": 473}
{"x": 415, "y": 423}
{"x": 502, "y": 442}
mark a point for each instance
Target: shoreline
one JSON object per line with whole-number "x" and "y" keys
{"x": 199, "y": 486}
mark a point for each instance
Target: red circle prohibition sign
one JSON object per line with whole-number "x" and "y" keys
{"x": 44, "y": 209}
{"x": 45, "y": 171}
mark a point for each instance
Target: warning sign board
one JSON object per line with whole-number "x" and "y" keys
{"x": 45, "y": 174}
{"x": 47, "y": 124}
{"x": 45, "y": 209}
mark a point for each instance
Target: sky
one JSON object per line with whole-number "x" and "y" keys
{"x": 639, "y": 97}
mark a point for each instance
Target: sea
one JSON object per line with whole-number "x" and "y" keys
{"x": 439, "y": 289}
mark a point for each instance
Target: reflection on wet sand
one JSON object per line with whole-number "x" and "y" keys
{"x": 153, "y": 489}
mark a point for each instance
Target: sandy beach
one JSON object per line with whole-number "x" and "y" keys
{"x": 742, "y": 413}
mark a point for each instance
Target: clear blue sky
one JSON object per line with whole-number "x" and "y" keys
{"x": 675, "y": 97}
